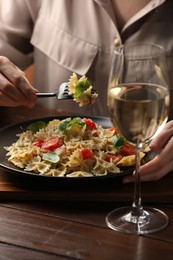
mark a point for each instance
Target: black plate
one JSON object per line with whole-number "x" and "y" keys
{"x": 8, "y": 136}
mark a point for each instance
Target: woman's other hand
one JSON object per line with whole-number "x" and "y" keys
{"x": 15, "y": 89}
{"x": 162, "y": 164}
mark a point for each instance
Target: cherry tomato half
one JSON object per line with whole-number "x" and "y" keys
{"x": 51, "y": 144}
{"x": 38, "y": 142}
{"x": 86, "y": 153}
{"x": 128, "y": 149}
{"x": 90, "y": 123}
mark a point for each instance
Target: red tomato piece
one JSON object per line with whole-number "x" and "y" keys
{"x": 51, "y": 144}
{"x": 113, "y": 130}
{"x": 38, "y": 142}
{"x": 90, "y": 123}
{"x": 128, "y": 149}
{"x": 113, "y": 157}
{"x": 86, "y": 153}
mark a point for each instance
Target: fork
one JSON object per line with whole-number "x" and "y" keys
{"x": 62, "y": 93}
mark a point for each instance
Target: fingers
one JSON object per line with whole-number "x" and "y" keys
{"x": 15, "y": 90}
{"x": 150, "y": 173}
{"x": 9, "y": 94}
{"x": 162, "y": 138}
{"x": 161, "y": 165}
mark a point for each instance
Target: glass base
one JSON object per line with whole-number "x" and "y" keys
{"x": 151, "y": 221}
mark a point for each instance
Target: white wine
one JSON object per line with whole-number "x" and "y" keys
{"x": 138, "y": 109}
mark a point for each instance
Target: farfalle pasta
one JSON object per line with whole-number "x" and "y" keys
{"x": 81, "y": 90}
{"x": 72, "y": 147}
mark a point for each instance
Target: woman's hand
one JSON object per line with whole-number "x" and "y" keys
{"x": 162, "y": 164}
{"x": 15, "y": 89}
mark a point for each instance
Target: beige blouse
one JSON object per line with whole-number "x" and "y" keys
{"x": 78, "y": 36}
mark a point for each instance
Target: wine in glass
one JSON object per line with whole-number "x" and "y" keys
{"x": 138, "y": 104}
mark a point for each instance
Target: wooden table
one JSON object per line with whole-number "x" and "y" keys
{"x": 40, "y": 220}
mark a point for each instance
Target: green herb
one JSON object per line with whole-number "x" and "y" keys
{"x": 34, "y": 127}
{"x": 64, "y": 124}
{"x": 70, "y": 122}
{"x": 81, "y": 86}
{"x": 52, "y": 157}
{"x": 76, "y": 121}
{"x": 118, "y": 141}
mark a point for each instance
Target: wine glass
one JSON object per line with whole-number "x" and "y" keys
{"x": 138, "y": 104}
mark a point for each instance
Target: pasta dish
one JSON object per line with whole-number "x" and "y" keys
{"x": 72, "y": 147}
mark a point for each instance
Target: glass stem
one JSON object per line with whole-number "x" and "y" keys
{"x": 137, "y": 208}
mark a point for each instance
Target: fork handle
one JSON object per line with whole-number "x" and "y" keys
{"x": 43, "y": 95}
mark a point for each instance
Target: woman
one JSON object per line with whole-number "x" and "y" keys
{"x": 66, "y": 36}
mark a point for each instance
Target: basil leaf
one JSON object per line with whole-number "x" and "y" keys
{"x": 70, "y": 122}
{"x": 34, "y": 127}
{"x": 81, "y": 86}
{"x": 76, "y": 121}
{"x": 52, "y": 157}
{"x": 64, "y": 124}
{"x": 117, "y": 141}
